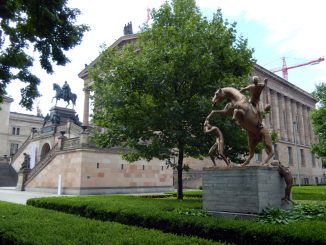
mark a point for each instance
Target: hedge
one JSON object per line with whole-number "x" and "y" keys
{"x": 165, "y": 215}
{"x": 21, "y": 224}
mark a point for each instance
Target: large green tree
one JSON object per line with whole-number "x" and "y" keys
{"x": 318, "y": 117}
{"x": 48, "y": 27}
{"x": 154, "y": 95}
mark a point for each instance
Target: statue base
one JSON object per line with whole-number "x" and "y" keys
{"x": 22, "y": 177}
{"x": 243, "y": 190}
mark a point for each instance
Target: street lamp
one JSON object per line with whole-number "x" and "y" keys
{"x": 295, "y": 131}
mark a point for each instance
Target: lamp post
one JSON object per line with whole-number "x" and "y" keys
{"x": 295, "y": 131}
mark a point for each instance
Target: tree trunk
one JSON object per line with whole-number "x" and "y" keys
{"x": 180, "y": 169}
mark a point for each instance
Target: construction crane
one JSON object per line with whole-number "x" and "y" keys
{"x": 285, "y": 68}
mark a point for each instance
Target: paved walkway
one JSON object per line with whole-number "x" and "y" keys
{"x": 9, "y": 194}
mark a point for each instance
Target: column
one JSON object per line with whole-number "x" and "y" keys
{"x": 305, "y": 125}
{"x": 276, "y": 118}
{"x": 294, "y": 119}
{"x": 288, "y": 110}
{"x": 301, "y": 124}
{"x": 86, "y": 106}
{"x": 310, "y": 130}
{"x": 282, "y": 116}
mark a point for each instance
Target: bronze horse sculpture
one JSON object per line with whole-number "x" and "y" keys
{"x": 245, "y": 115}
{"x": 60, "y": 95}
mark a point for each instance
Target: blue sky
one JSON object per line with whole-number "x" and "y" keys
{"x": 275, "y": 29}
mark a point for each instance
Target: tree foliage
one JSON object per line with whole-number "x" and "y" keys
{"x": 47, "y": 26}
{"x": 155, "y": 94}
{"x": 318, "y": 117}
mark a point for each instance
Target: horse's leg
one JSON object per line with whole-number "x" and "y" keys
{"x": 252, "y": 143}
{"x": 268, "y": 144}
{"x": 228, "y": 110}
{"x": 237, "y": 114}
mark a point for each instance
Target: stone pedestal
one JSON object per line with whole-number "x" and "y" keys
{"x": 22, "y": 177}
{"x": 242, "y": 190}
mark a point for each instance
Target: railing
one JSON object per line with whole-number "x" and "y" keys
{"x": 41, "y": 164}
{"x": 71, "y": 143}
{"x": 20, "y": 149}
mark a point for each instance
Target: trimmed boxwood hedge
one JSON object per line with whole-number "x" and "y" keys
{"x": 163, "y": 214}
{"x": 21, "y": 224}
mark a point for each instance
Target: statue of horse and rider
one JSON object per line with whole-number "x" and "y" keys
{"x": 246, "y": 114}
{"x": 64, "y": 93}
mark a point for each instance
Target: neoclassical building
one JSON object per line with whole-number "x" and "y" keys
{"x": 16, "y": 128}
{"x": 289, "y": 118}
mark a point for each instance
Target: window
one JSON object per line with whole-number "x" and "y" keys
{"x": 15, "y": 131}
{"x": 313, "y": 160}
{"x": 306, "y": 181}
{"x": 316, "y": 180}
{"x": 13, "y": 148}
{"x": 290, "y": 158}
{"x": 275, "y": 157}
{"x": 258, "y": 157}
{"x": 302, "y": 159}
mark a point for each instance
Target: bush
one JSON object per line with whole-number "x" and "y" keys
{"x": 184, "y": 217}
{"x": 29, "y": 225}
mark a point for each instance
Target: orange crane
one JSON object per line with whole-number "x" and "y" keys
{"x": 285, "y": 68}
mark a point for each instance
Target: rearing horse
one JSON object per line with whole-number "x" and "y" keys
{"x": 59, "y": 95}
{"x": 246, "y": 117}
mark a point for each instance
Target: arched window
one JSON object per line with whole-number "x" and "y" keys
{"x": 45, "y": 149}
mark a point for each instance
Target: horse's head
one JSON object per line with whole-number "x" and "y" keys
{"x": 218, "y": 97}
{"x": 56, "y": 87}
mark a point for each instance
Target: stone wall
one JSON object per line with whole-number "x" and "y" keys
{"x": 92, "y": 172}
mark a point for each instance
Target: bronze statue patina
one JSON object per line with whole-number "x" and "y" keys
{"x": 246, "y": 116}
{"x": 26, "y": 162}
{"x": 64, "y": 93}
{"x": 218, "y": 147}
{"x": 255, "y": 91}
{"x": 286, "y": 174}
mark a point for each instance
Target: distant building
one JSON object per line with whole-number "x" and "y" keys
{"x": 289, "y": 118}
{"x": 15, "y": 129}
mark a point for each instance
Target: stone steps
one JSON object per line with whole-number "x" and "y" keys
{"x": 8, "y": 175}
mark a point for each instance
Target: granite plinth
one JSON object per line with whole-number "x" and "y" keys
{"x": 247, "y": 190}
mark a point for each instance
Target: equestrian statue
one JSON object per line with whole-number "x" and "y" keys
{"x": 64, "y": 93}
{"x": 247, "y": 115}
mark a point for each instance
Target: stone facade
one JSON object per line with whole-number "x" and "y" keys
{"x": 15, "y": 128}
{"x": 91, "y": 172}
{"x": 247, "y": 190}
{"x": 290, "y": 119}
{"x": 83, "y": 168}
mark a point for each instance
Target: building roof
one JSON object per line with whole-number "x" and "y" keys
{"x": 283, "y": 81}
{"x": 83, "y": 74}
{"x": 7, "y": 99}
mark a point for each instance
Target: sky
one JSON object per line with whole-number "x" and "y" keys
{"x": 274, "y": 29}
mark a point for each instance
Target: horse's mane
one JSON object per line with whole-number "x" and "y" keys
{"x": 234, "y": 91}
{"x": 55, "y": 85}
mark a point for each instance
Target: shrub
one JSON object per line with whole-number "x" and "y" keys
{"x": 29, "y": 225}
{"x": 169, "y": 215}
